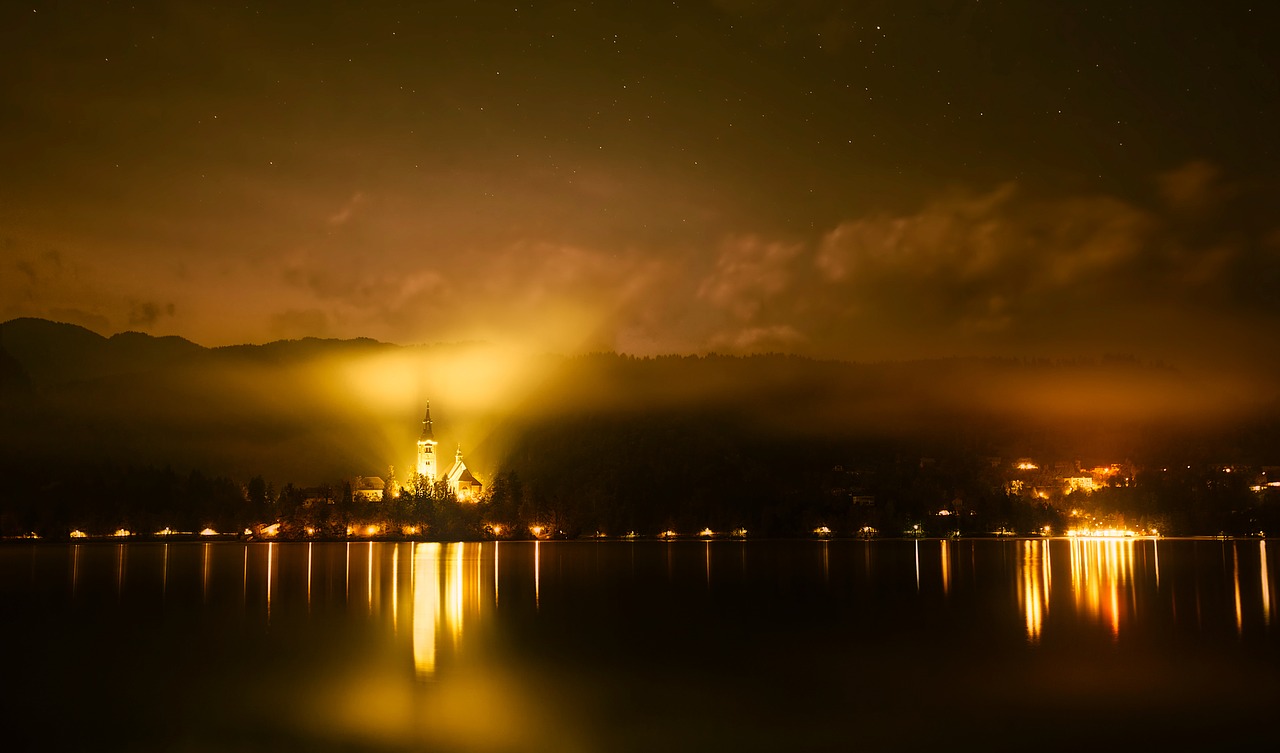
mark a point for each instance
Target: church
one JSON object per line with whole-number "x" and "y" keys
{"x": 462, "y": 484}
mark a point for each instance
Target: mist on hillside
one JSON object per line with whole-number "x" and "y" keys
{"x": 312, "y": 411}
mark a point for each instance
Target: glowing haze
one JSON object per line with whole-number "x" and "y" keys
{"x": 868, "y": 181}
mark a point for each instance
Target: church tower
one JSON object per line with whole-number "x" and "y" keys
{"x": 427, "y": 450}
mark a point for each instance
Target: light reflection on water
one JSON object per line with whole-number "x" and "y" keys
{"x": 1109, "y": 579}
{"x": 405, "y": 643}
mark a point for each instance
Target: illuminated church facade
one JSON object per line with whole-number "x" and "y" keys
{"x": 462, "y": 484}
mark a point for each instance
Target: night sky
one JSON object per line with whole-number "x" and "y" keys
{"x": 866, "y": 180}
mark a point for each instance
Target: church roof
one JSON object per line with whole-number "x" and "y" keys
{"x": 369, "y": 482}
{"x": 460, "y": 473}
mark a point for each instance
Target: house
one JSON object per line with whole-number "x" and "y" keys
{"x": 367, "y": 488}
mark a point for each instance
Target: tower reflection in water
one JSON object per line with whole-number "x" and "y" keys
{"x": 447, "y": 594}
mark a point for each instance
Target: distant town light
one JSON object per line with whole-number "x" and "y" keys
{"x": 822, "y": 531}
{"x": 208, "y": 532}
{"x": 1101, "y": 533}
{"x": 706, "y": 532}
{"x": 78, "y": 534}
{"x": 122, "y": 532}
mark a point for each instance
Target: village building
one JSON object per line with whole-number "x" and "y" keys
{"x": 368, "y": 489}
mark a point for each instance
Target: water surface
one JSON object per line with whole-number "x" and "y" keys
{"x": 640, "y": 646}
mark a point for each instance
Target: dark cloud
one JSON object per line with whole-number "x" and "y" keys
{"x": 876, "y": 181}
{"x": 147, "y": 313}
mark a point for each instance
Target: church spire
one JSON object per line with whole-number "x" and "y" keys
{"x": 427, "y": 433}
{"x": 427, "y": 449}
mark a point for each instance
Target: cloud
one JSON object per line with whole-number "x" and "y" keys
{"x": 749, "y": 272}
{"x": 1195, "y": 187}
{"x": 999, "y": 272}
{"x": 147, "y": 313}
{"x": 775, "y": 338}
{"x": 347, "y": 210}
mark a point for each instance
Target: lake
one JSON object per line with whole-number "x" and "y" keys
{"x": 982, "y": 644}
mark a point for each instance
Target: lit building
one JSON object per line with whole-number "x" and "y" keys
{"x": 463, "y": 485}
{"x": 427, "y": 450}
{"x": 1080, "y": 483}
{"x": 368, "y": 488}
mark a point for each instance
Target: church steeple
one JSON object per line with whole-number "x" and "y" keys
{"x": 427, "y": 449}
{"x": 427, "y": 433}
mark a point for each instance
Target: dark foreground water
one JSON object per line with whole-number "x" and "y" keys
{"x": 643, "y": 646}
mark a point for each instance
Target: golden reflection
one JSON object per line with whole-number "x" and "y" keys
{"x": 826, "y": 563}
{"x": 164, "y": 582}
{"x": 447, "y": 588}
{"x": 1235, "y": 577}
{"x": 917, "y": 564}
{"x": 537, "y": 572}
{"x": 454, "y": 591}
{"x": 120, "y": 556}
{"x": 426, "y": 606}
{"x": 395, "y": 589}
{"x": 271, "y": 561}
{"x": 1100, "y": 568}
{"x": 1266, "y": 585}
{"x": 1034, "y": 586}
{"x": 369, "y": 577}
{"x": 946, "y": 565}
{"x": 309, "y": 576}
{"x": 204, "y": 573}
{"x": 708, "y": 548}
{"x": 1155, "y": 549}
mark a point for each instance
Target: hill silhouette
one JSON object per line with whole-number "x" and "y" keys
{"x": 602, "y": 429}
